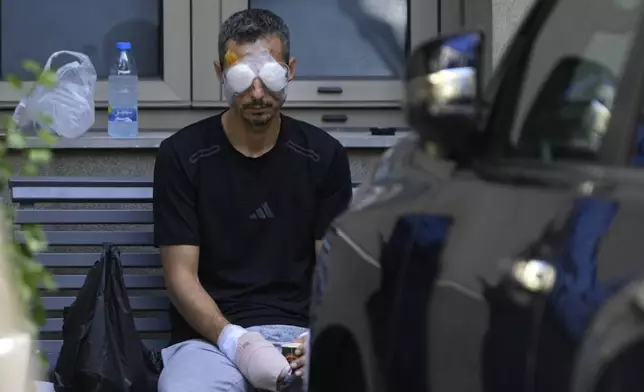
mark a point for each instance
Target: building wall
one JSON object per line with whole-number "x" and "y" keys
{"x": 362, "y": 114}
{"x": 507, "y": 14}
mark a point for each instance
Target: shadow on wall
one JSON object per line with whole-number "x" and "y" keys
{"x": 345, "y": 49}
{"x": 380, "y": 35}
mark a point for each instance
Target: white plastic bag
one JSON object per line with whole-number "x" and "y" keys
{"x": 70, "y": 105}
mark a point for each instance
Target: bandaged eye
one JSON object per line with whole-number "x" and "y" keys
{"x": 274, "y": 76}
{"x": 240, "y": 77}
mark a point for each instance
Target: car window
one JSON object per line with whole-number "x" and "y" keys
{"x": 557, "y": 100}
{"x": 638, "y": 159}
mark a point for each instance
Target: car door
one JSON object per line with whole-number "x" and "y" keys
{"x": 485, "y": 278}
{"x": 566, "y": 118}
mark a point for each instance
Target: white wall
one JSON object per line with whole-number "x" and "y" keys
{"x": 507, "y": 15}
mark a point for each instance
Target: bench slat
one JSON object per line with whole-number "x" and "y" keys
{"x": 95, "y": 238}
{"x": 83, "y": 189}
{"x": 19, "y": 181}
{"x": 137, "y": 302}
{"x": 61, "y": 217}
{"x": 62, "y": 194}
{"x": 128, "y": 259}
{"x": 143, "y": 281}
{"x": 143, "y": 182}
{"x": 143, "y": 324}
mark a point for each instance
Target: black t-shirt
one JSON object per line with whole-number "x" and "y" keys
{"x": 255, "y": 220}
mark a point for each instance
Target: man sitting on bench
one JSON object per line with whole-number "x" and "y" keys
{"x": 241, "y": 200}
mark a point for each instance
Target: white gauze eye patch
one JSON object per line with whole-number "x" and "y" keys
{"x": 257, "y": 63}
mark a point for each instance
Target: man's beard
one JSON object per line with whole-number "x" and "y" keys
{"x": 256, "y": 120}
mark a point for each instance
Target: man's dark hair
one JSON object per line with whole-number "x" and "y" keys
{"x": 249, "y": 25}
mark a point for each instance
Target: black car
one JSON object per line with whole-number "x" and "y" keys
{"x": 501, "y": 248}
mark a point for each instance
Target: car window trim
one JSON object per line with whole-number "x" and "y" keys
{"x": 618, "y": 146}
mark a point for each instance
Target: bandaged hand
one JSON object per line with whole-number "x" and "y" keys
{"x": 258, "y": 360}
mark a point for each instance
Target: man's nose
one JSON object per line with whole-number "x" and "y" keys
{"x": 257, "y": 89}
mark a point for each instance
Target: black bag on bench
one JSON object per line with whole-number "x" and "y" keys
{"x": 102, "y": 351}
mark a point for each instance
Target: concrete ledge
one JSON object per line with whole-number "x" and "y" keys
{"x": 150, "y": 139}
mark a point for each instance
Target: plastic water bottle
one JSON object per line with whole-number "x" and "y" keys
{"x": 123, "y": 95}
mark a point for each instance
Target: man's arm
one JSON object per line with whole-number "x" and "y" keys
{"x": 335, "y": 194}
{"x": 176, "y": 233}
{"x": 180, "y": 264}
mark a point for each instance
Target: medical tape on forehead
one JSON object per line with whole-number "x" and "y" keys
{"x": 240, "y": 74}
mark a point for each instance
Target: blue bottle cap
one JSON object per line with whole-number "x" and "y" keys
{"x": 123, "y": 46}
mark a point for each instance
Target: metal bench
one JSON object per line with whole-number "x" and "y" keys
{"x": 79, "y": 215}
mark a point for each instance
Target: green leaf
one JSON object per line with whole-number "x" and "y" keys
{"x": 39, "y": 155}
{"x": 45, "y": 119}
{"x": 32, "y": 66}
{"x": 44, "y": 362}
{"x": 35, "y": 238}
{"x": 38, "y": 314}
{"x": 5, "y": 173}
{"x": 30, "y": 169}
{"x": 26, "y": 292}
{"x": 14, "y": 81}
{"x": 48, "y": 79}
{"x": 47, "y": 137}
{"x": 10, "y": 124}
{"x": 16, "y": 140}
{"x": 33, "y": 268}
{"x": 35, "y": 244}
{"x": 34, "y": 230}
{"x": 48, "y": 282}
{"x": 30, "y": 276}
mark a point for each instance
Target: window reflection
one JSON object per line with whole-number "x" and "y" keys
{"x": 338, "y": 39}
{"x": 571, "y": 113}
{"x": 392, "y": 12}
{"x": 558, "y": 84}
{"x": 90, "y": 27}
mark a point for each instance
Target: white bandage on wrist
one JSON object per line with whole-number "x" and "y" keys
{"x": 228, "y": 338}
{"x": 303, "y": 335}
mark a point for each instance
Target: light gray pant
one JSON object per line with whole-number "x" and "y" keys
{"x": 199, "y": 366}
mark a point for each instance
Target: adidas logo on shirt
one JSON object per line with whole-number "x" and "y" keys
{"x": 263, "y": 212}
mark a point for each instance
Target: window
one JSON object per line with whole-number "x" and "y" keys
{"x": 373, "y": 37}
{"x": 560, "y": 86}
{"x": 347, "y": 51}
{"x": 158, "y": 29}
{"x": 349, "y": 55}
